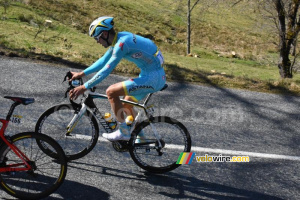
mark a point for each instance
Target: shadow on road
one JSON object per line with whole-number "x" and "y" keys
{"x": 170, "y": 185}
{"x": 193, "y": 188}
{"x": 71, "y": 190}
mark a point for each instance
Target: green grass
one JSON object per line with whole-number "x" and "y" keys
{"x": 216, "y": 32}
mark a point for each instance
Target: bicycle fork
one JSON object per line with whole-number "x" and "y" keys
{"x": 25, "y": 165}
{"x": 76, "y": 119}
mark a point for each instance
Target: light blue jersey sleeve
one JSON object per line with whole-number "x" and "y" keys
{"x": 117, "y": 53}
{"x": 99, "y": 64}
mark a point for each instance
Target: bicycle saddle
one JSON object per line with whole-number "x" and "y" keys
{"x": 24, "y": 101}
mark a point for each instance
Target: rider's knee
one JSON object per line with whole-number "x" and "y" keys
{"x": 110, "y": 92}
{"x": 114, "y": 91}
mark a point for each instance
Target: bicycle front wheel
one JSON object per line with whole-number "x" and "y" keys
{"x": 46, "y": 173}
{"x": 80, "y": 141}
{"x": 159, "y": 156}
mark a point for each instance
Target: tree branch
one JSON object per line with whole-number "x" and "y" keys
{"x": 236, "y": 3}
{"x": 194, "y": 5}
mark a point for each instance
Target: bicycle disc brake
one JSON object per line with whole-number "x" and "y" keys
{"x": 120, "y": 146}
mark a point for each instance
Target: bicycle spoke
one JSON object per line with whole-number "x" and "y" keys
{"x": 54, "y": 122}
{"x": 159, "y": 157}
{"x": 43, "y": 177}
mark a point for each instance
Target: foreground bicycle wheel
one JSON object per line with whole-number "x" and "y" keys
{"x": 83, "y": 137}
{"x": 47, "y": 174}
{"x": 144, "y": 148}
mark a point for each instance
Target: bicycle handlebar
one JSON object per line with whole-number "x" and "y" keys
{"x": 74, "y": 83}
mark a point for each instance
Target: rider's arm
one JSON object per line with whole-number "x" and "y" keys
{"x": 120, "y": 49}
{"x": 99, "y": 64}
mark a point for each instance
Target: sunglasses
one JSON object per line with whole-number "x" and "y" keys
{"x": 98, "y": 37}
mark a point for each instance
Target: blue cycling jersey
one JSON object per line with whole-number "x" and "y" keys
{"x": 139, "y": 50}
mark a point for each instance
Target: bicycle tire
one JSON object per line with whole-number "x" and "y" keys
{"x": 175, "y": 139}
{"x": 84, "y": 136}
{"x": 47, "y": 174}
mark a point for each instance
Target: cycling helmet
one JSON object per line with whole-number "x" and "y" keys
{"x": 101, "y": 24}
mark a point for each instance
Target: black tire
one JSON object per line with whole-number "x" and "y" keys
{"x": 175, "y": 139}
{"x": 84, "y": 136}
{"x": 48, "y": 173}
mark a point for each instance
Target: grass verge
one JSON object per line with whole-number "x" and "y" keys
{"x": 23, "y": 34}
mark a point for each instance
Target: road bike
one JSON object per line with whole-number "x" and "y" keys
{"x": 75, "y": 127}
{"x": 26, "y": 170}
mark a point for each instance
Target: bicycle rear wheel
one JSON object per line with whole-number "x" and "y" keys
{"x": 47, "y": 174}
{"x": 144, "y": 147}
{"x": 80, "y": 141}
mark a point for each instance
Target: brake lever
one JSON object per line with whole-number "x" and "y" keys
{"x": 68, "y": 76}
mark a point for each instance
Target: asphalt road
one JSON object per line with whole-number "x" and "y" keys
{"x": 221, "y": 121}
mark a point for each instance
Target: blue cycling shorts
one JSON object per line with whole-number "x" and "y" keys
{"x": 147, "y": 82}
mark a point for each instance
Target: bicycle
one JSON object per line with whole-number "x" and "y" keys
{"x": 26, "y": 171}
{"x": 77, "y": 131}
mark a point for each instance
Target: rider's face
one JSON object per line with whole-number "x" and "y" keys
{"x": 102, "y": 41}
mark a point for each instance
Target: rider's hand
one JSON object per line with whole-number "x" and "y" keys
{"x": 76, "y": 75}
{"x": 74, "y": 93}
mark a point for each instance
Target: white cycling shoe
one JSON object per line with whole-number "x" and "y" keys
{"x": 121, "y": 134}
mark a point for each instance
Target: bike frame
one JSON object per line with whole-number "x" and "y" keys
{"x": 89, "y": 103}
{"x": 21, "y": 155}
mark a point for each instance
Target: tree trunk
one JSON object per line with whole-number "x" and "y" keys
{"x": 284, "y": 63}
{"x": 189, "y": 28}
{"x": 285, "y": 68}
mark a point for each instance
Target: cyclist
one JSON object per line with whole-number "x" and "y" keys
{"x": 139, "y": 50}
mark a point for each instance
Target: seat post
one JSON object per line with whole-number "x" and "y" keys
{"x": 147, "y": 98}
{"x": 11, "y": 110}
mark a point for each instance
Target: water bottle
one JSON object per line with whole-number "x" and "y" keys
{"x": 110, "y": 120}
{"x": 129, "y": 119}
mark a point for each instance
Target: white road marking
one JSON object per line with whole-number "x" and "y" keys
{"x": 218, "y": 151}
{"x": 245, "y": 153}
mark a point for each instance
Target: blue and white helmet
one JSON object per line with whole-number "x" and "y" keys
{"x": 101, "y": 24}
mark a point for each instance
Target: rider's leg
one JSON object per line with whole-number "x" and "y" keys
{"x": 137, "y": 87}
{"x": 113, "y": 92}
{"x": 141, "y": 137}
{"x": 128, "y": 109}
